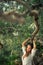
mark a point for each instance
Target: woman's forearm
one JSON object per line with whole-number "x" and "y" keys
{"x": 25, "y": 41}
{"x": 34, "y": 44}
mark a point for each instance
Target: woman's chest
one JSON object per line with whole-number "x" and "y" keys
{"x": 27, "y": 60}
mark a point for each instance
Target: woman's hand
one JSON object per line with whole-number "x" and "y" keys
{"x": 34, "y": 44}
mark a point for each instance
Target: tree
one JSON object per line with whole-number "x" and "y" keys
{"x": 18, "y": 13}
{"x": 13, "y": 15}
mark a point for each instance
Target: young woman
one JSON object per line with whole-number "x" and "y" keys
{"x": 28, "y": 52}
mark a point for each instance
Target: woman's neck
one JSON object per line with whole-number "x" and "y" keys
{"x": 27, "y": 54}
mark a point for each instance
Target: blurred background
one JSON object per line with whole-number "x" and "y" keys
{"x": 14, "y": 31}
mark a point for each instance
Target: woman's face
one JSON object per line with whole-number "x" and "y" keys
{"x": 28, "y": 49}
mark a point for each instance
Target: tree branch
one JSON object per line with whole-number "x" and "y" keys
{"x": 11, "y": 18}
{"x": 28, "y": 8}
{"x": 35, "y": 14}
{"x": 12, "y": 12}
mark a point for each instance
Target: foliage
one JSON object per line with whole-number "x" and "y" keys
{"x": 12, "y": 34}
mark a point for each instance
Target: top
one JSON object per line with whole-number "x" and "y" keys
{"x": 28, "y": 60}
